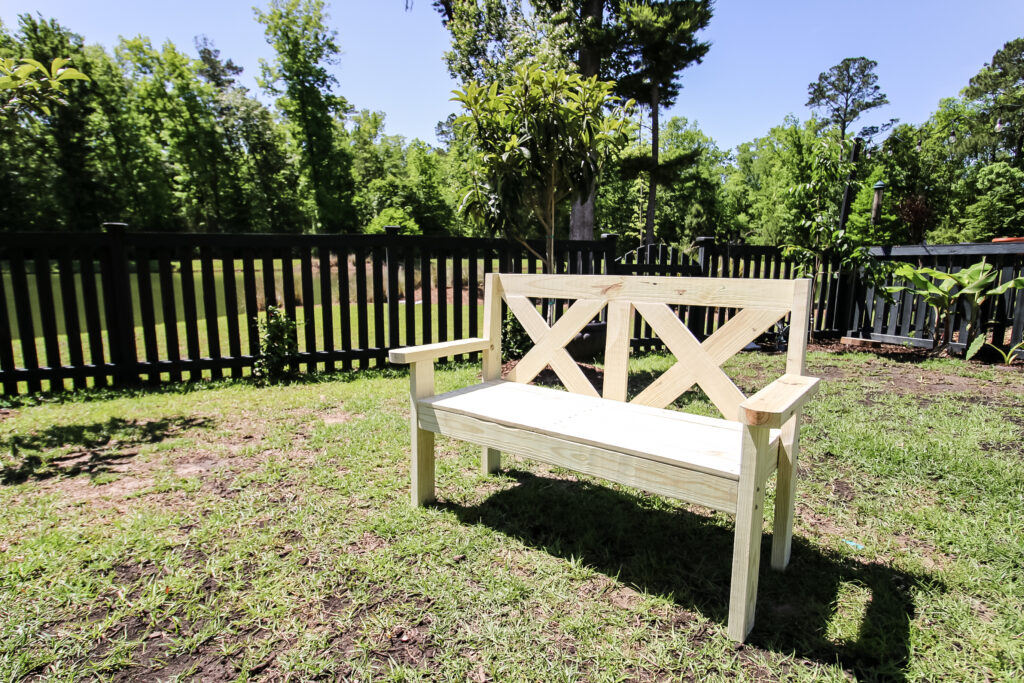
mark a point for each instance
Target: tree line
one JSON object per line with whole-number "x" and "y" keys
{"x": 166, "y": 139}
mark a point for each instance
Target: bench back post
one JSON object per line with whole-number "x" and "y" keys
{"x": 492, "y": 327}
{"x": 799, "y": 324}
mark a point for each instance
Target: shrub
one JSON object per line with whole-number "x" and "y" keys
{"x": 278, "y": 347}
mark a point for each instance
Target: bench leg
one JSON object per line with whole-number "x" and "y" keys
{"x": 785, "y": 494}
{"x": 490, "y": 460}
{"x": 746, "y": 554}
{"x": 421, "y": 377}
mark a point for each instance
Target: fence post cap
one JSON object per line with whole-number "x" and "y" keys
{"x": 392, "y": 230}
{"x": 609, "y": 236}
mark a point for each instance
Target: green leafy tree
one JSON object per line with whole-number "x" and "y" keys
{"x": 305, "y": 47}
{"x": 999, "y": 88}
{"x": 693, "y": 201}
{"x": 998, "y": 209}
{"x": 846, "y": 91}
{"x": 75, "y": 194}
{"x": 764, "y": 207}
{"x": 660, "y": 41}
{"x": 542, "y": 138}
{"x": 490, "y": 38}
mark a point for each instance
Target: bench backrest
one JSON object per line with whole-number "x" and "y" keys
{"x": 760, "y": 303}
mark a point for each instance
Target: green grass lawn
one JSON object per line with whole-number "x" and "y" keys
{"x": 228, "y": 532}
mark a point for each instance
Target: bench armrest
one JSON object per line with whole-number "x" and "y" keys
{"x": 412, "y": 354}
{"x": 777, "y": 402}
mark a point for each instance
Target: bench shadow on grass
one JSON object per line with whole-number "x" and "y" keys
{"x": 688, "y": 558}
{"x": 94, "y": 448}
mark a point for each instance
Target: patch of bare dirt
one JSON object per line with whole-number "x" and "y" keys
{"x": 367, "y": 543}
{"x": 842, "y": 490}
{"x": 337, "y": 417}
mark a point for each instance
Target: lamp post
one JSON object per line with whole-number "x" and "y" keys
{"x": 876, "y": 203}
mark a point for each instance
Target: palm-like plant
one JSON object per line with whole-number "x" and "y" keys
{"x": 944, "y": 291}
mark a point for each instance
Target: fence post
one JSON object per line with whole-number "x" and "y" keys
{"x": 704, "y": 245}
{"x": 610, "y": 252}
{"x": 120, "y": 322}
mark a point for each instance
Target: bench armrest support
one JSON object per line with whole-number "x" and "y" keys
{"x": 777, "y": 402}
{"x": 412, "y": 354}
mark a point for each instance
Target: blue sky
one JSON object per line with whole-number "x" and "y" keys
{"x": 762, "y": 57}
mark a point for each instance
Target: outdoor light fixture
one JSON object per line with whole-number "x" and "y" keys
{"x": 876, "y": 203}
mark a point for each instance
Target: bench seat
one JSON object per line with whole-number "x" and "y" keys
{"x": 689, "y": 457}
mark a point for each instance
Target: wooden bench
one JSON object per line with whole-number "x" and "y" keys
{"x": 720, "y": 463}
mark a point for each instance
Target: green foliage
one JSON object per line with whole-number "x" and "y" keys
{"x": 304, "y": 47}
{"x": 998, "y": 209}
{"x": 515, "y": 342}
{"x": 490, "y": 38}
{"x": 693, "y": 200}
{"x": 30, "y": 87}
{"x": 278, "y": 347}
{"x": 846, "y": 91}
{"x": 393, "y": 216}
{"x": 999, "y": 88}
{"x": 660, "y": 41}
{"x": 942, "y": 291}
{"x": 1009, "y": 356}
{"x": 543, "y": 138}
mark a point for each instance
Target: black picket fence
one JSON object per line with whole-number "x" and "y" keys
{"x": 120, "y": 308}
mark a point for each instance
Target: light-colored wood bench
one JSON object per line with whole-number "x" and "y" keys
{"x": 720, "y": 463}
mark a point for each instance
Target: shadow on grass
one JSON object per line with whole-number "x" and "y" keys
{"x": 688, "y": 558}
{"x": 189, "y": 386}
{"x": 95, "y": 448}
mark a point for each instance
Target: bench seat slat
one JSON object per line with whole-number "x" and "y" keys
{"x": 681, "y": 440}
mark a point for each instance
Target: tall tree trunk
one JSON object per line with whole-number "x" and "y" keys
{"x": 652, "y": 196}
{"x": 581, "y": 217}
{"x": 581, "y": 220}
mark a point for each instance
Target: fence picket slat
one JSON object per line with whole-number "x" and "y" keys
{"x": 426, "y": 326}
{"x": 457, "y": 305}
{"x": 442, "y": 296}
{"x": 326, "y": 305}
{"x": 23, "y": 312}
{"x": 188, "y": 298}
{"x": 362, "y": 313}
{"x": 209, "y": 292}
{"x": 392, "y": 265}
{"x": 147, "y": 314}
{"x": 48, "y": 315}
{"x": 344, "y": 308}
{"x": 72, "y": 325}
{"x": 231, "y": 310}
{"x": 252, "y": 326}
{"x": 170, "y": 314}
{"x": 288, "y": 295}
{"x": 91, "y": 303}
{"x": 379, "y": 343}
{"x": 474, "y": 293}
{"x": 9, "y": 386}
{"x": 308, "y": 303}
